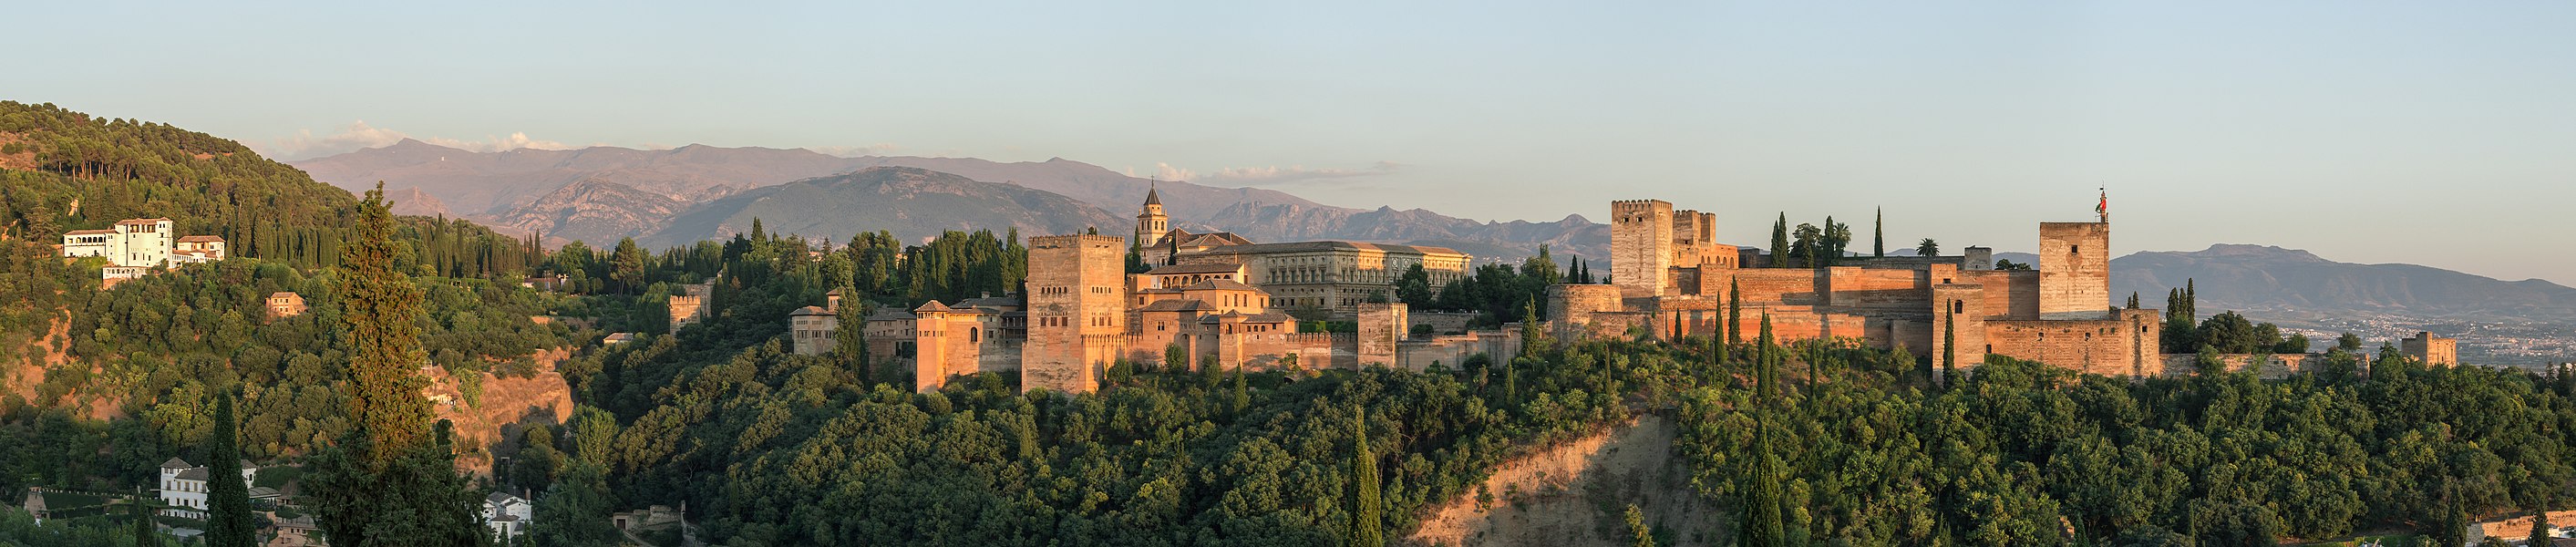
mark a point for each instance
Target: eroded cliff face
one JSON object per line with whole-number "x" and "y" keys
{"x": 506, "y": 405}
{"x": 1577, "y": 495}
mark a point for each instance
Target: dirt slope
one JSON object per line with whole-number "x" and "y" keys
{"x": 507, "y": 404}
{"x": 1576, "y": 495}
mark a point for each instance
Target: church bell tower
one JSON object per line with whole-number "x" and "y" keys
{"x": 1151, "y": 224}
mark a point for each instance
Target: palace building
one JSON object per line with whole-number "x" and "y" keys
{"x": 1671, "y": 280}
{"x": 1218, "y": 299}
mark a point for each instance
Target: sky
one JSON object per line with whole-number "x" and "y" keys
{"x": 2441, "y": 134}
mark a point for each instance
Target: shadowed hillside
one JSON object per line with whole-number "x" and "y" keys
{"x": 913, "y": 203}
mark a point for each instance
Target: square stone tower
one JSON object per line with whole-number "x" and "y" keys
{"x": 1958, "y": 325}
{"x": 1077, "y": 311}
{"x": 2074, "y": 270}
{"x": 1641, "y": 246}
{"x": 2431, "y": 350}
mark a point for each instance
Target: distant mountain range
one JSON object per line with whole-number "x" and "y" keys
{"x": 911, "y": 202}
{"x": 2299, "y": 285}
{"x": 603, "y": 193}
{"x": 2528, "y": 322}
{"x": 2295, "y": 286}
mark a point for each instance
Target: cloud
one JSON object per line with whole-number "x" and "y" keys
{"x": 1256, "y": 176}
{"x": 1266, "y": 175}
{"x": 878, "y": 149}
{"x": 358, "y": 135}
{"x": 355, "y": 136}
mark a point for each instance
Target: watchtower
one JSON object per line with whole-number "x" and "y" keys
{"x": 2074, "y": 270}
{"x": 1077, "y": 311}
{"x": 1641, "y": 246}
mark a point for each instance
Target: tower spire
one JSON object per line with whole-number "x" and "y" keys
{"x": 1153, "y": 195}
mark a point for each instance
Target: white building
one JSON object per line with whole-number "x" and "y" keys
{"x": 507, "y": 514}
{"x": 183, "y": 487}
{"x": 198, "y": 249}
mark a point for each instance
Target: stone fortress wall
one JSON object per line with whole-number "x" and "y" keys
{"x": 1667, "y": 286}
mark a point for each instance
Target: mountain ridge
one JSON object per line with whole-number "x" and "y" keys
{"x": 913, "y": 203}
{"x": 495, "y": 185}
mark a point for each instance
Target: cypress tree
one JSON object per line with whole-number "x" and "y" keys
{"x": 1242, "y": 391}
{"x": 1760, "y": 523}
{"x": 2539, "y": 526}
{"x": 146, "y": 534}
{"x": 1949, "y": 350}
{"x": 228, "y": 520}
{"x": 392, "y": 480}
{"x": 1780, "y": 242}
{"x": 1640, "y": 535}
{"x": 1734, "y": 312}
{"x": 1878, "y": 240}
{"x": 1717, "y": 348}
{"x": 1367, "y": 522}
{"x": 380, "y": 306}
{"x": 2455, "y": 522}
{"x": 851, "y": 339}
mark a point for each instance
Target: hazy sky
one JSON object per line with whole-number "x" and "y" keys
{"x": 2434, "y": 133}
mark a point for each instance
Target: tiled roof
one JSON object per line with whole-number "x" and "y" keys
{"x": 808, "y": 311}
{"x": 88, "y": 232}
{"x": 990, "y": 302}
{"x": 1304, "y": 246}
{"x": 1174, "y": 305}
{"x": 892, "y": 315}
{"x": 1196, "y": 269}
{"x": 193, "y": 474}
{"x": 138, "y": 221}
{"x": 176, "y": 463}
{"x": 932, "y": 306}
{"x": 1221, "y": 285}
{"x": 201, "y": 239}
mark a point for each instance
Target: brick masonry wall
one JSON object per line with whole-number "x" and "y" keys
{"x": 1077, "y": 311}
{"x": 2074, "y": 267}
{"x": 1641, "y": 240}
{"x": 2122, "y": 346}
{"x": 2274, "y": 366}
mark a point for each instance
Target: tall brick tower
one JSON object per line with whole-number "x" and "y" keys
{"x": 1151, "y": 224}
{"x": 1077, "y": 316}
{"x": 1641, "y": 246}
{"x": 2074, "y": 270}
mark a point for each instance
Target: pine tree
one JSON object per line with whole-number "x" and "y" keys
{"x": 1780, "y": 242}
{"x": 1760, "y": 525}
{"x": 1368, "y": 526}
{"x": 228, "y": 520}
{"x": 1878, "y": 240}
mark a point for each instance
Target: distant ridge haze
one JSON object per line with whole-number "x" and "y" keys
{"x": 501, "y": 187}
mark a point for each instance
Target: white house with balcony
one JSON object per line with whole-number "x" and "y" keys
{"x": 183, "y": 487}
{"x": 507, "y": 514}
